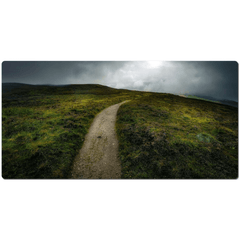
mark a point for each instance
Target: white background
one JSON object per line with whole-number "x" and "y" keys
{"x": 119, "y": 209}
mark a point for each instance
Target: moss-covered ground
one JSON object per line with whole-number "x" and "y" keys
{"x": 164, "y": 136}
{"x": 43, "y": 127}
{"x": 160, "y": 135}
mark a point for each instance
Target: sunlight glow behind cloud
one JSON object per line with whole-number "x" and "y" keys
{"x": 154, "y": 64}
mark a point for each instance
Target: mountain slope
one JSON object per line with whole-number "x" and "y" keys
{"x": 160, "y": 135}
{"x": 166, "y": 136}
{"x": 43, "y": 127}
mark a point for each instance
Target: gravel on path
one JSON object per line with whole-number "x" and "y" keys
{"x": 98, "y": 157}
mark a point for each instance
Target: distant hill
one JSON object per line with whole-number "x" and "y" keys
{"x": 229, "y": 103}
{"x": 8, "y": 87}
{"x": 222, "y": 101}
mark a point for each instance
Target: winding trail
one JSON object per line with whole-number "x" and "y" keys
{"x": 98, "y": 157}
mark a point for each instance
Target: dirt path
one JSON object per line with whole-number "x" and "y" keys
{"x": 98, "y": 157}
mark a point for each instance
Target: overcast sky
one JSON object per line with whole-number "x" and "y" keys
{"x": 214, "y": 79}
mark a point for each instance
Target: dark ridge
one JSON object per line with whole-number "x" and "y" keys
{"x": 8, "y": 87}
{"x": 222, "y": 101}
{"x": 229, "y": 103}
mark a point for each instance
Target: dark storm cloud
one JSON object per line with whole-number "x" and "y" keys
{"x": 35, "y": 72}
{"x": 215, "y": 79}
{"x": 57, "y": 72}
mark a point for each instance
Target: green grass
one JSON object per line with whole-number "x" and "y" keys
{"x": 160, "y": 135}
{"x": 166, "y": 136}
{"x": 44, "y": 127}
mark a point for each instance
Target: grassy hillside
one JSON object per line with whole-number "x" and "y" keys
{"x": 166, "y": 136}
{"x": 43, "y": 127}
{"x": 160, "y": 135}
